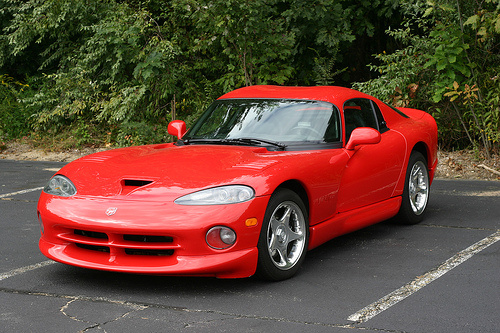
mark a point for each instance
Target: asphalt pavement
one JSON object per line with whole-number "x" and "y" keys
{"x": 442, "y": 275}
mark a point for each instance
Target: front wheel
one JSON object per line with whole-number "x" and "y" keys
{"x": 416, "y": 191}
{"x": 284, "y": 236}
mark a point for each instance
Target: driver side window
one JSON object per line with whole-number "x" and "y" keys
{"x": 358, "y": 113}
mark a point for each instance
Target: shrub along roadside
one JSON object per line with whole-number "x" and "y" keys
{"x": 14, "y": 118}
{"x": 448, "y": 64}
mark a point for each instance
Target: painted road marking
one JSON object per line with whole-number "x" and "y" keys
{"x": 52, "y": 169}
{"x": 25, "y": 269}
{"x": 418, "y": 283}
{"x": 20, "y": 192}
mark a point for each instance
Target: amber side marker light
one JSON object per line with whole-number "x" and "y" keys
{"x": 251, "y": 222}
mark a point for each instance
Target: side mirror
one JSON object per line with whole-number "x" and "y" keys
{"x": 363, "y": 136}
{"x": 177, "y": 128}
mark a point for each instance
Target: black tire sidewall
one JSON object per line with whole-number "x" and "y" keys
{"x": 406, "y": 215}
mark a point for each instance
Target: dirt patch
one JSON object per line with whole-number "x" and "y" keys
{"x": 26, "y": 152}
{"x": 462, "y": 164}
{"x": 466, "y": 164}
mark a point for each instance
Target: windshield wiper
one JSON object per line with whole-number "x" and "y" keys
{"x": 237, "y": 141}
{"x": 254, "y": 141}
{"x": 210, "y": 141}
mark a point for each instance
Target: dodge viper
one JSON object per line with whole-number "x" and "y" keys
{"x": 264, "y": 175}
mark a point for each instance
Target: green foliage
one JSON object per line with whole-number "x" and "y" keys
{"x": 140, "y": 133}
{"x": 448, "y": 59}
{"x": 486, "y": 22}
{"x": 448, "y": 64}
{"x": 116, "y": 72}
{"x": 13, "y": 117}
{"x": 125, "y": 63}
{"x": 320, "y": 31}
{"x": 51, "y": 28}
{"x": 251, "y": 39}
{"x": 490, "y": 118}
{"x": 401, "y": 73}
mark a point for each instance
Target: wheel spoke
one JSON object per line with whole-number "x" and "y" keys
{"x": 286, "y": 216}
{"x": 272, "y": 238}
{"x": 417, "y": 188}
{"x": 291, "y": 235}
{"x": 285, "y": 235}
{"x": 282, "y": 256}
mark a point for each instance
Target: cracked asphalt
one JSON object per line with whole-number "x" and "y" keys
{"x": 442, "y": 275}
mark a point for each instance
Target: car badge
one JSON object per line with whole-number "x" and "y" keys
{"x": 111, "y": 211}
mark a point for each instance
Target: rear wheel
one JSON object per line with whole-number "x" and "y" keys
{"x": 416, "y": 191}
{"x": 284, "y": 236}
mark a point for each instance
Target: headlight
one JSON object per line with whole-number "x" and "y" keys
{"x": 222, "y": 195}
{"x": 60, "y": 186}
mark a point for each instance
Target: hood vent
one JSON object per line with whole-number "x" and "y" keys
{"x": 136, "y": 183}
{"x": 129, "y": 185}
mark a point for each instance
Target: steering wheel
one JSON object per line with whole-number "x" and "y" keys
{"x": 311, "y": 130}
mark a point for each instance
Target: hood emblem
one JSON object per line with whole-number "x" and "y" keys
{"x": 111, "y": 211}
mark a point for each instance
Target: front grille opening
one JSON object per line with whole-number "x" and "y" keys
{"x": 136, "y": 183}
{"x": 97, "y": 248}
{"x": 146, "y": 252}
{"x": 91, "y": 234}
{"x": 148, "y": 239}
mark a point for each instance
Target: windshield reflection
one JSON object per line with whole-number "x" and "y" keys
{"x": 286, "y": 121}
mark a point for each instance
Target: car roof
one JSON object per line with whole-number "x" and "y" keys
{"x": 332, "y": 94}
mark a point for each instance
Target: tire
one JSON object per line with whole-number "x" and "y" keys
{"x": 283, "y": 238}
{"x": 416, "y": 191}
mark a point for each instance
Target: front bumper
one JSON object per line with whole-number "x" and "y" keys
{"x": 234, "y": 264}
{"x": 149, "y": 237}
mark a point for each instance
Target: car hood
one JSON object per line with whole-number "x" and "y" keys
{"x": 166, "y": 172}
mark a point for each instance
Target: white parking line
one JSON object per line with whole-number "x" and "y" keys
{"x": 20, "y": 192}
{"x": 52, "y": 169}
{"x": 25, "y": 269}
{"x": 418, "y": 283}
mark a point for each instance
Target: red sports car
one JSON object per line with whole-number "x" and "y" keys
{"x": 264, "y": 175}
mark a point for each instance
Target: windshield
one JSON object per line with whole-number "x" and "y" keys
{"x": 271, "y": 120}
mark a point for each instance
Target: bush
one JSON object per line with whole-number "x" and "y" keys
{"x": 448, "y": 65}
{"x": 14, "y": 118}
{"x": 141, "y": 133}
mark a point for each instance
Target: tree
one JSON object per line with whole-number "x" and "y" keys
{"x": 447, "y": 64}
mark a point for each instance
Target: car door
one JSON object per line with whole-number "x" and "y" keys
{"x": 372, "y": 171}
